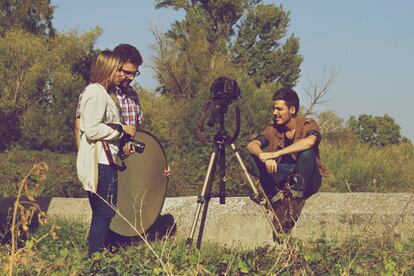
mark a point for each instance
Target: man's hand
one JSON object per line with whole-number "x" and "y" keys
{"x": 271, "y": 165}
{"x": 128, "y": 149}
{"x": 264, "y": 156}
{"x": 129, "y": 129}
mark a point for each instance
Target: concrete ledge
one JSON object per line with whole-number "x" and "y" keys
{"x": 365, "y": 215}
{"x": 240, "y": 222}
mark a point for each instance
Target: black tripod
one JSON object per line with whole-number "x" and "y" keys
{"x": 218, "y": 161}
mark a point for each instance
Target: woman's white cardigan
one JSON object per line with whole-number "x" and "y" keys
{"x": 96, "y": 108}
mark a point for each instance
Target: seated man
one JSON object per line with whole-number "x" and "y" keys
{"x": 286, "y": 156}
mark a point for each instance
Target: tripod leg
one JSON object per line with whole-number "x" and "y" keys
{"x": 203, "y": 198}
{"x": 265, "y": 204}
{"x": 222, "y": 172}
{"x": 202, "y": 224}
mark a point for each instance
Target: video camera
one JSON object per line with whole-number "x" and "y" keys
{"x": 226, "y": 89}
{"x": 223, "y": 92}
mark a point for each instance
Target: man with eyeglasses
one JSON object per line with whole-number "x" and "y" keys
{"x": 126, "y": 96}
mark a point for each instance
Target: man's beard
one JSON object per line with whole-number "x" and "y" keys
{"x": 124, "y": 83}
{"x": 280, "y": 127}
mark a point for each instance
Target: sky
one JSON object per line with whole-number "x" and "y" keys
{"x": 367, "y": 43}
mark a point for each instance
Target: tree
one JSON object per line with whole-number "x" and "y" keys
{"x": 24, "y": 68}
{"x": 259, "y": 49}
{"x": 248, "y": 33}
{"x": 180, "y": 73}
{"x": 40, "y": 86}
{"x": 375, "y": 130}
{"x": 217, "y": 17}
{"x": 33, "y": 16}
{"x": 317, "y": 93}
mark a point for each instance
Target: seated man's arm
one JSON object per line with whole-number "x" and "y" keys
{"x": 255, "y": 148}
{"x": 301, "y": 145}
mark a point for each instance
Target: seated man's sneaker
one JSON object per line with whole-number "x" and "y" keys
{"x": 295, "y": 185}
{"x": 279, "y": 196}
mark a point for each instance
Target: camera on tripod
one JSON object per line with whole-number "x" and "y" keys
{"x": 223, "y": 92}
{"x": 225, "y": 89}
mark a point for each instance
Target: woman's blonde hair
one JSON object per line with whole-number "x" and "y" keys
{"x": 104, "y": 67}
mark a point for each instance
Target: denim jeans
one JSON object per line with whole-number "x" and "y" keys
{"x": 306, "y": 167}
{"x": 102, "y": 213}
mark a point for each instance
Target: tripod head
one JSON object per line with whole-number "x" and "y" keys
{"x": 223, "y": 92}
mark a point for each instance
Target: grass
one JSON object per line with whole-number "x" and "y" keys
{"x": 67, "y": 256}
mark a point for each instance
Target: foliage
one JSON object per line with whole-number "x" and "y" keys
{"x": 9, "y": 127}
{"x": 62, "y": 180}
{"x": 24, "y": 68}
{"x": 333, "y": 128}
{"x": 375, "y": 130}
{"x": 360, "y": 168}
{"x": 255, "y": 48}
{"x": 33, "y": 16}
{"x": 352, "y": 165}
{"x": 258, "y": 47}
{"x": 218, "y": 18}
{"x": 23, "y": 213}
{"x": 41, "y": 86}
{"x": 66, "y": 256}
{"x": 181, "y": 73}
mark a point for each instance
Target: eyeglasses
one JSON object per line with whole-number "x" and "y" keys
{"x": 130, "y": 74}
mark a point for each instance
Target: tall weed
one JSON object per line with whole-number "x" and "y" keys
{"x": 362, "y": 168}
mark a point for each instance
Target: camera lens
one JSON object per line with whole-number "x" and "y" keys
{"x": 138, "y": 146}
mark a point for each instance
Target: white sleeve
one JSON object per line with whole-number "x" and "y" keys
{"x": 93, "y": 115}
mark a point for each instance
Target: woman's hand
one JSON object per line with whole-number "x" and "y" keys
{"x": 129, "y": 129}
{"x": 167, "y": 172}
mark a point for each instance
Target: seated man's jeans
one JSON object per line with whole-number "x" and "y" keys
{"x": 306, "y": 168}
{"x": 102, "y": 213}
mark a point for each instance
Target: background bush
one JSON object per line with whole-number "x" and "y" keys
{"x": 61, "y": 181}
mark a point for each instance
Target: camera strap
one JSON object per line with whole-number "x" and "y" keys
{"x": 110, "y": 158}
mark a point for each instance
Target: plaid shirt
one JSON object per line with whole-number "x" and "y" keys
{"x": 129, "y": 103}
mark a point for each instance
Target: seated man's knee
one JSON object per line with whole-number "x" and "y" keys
{"x": 254, "y": 165}
{"x": 307, "y": 155}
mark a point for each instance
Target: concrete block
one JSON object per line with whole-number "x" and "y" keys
{"x": 339, "y": 216}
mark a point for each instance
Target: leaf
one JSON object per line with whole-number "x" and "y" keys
{"x": 29, "y": 244}
{"x": 399, "y": 246}
{"x": 64, "y": 252}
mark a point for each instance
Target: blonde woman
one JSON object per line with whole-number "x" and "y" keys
{"x": 98, "y": 109}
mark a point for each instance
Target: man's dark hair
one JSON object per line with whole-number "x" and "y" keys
{"x": 289, "y": 96}
{"x": 129, "y": 53}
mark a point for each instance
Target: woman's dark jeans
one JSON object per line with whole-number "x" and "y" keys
{"x": 102, "y": 213}
{"x": 306, "y": 167}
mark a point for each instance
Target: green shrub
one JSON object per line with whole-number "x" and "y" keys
{"x": 61, "y": 181}
{"x": 353, "y": 166}
{"x": 368, "y": 168}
